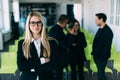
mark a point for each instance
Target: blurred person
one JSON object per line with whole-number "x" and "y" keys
{"x": 76, "y": 51}
{"x": 36, "y": 53}
{"x": 63, "y": 40}
{"x": 102, "y": 45}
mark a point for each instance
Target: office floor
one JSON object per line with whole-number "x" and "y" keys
{"x": 15, "y": 77}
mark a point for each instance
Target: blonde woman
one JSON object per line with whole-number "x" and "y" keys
{"x": 36, "y": 53}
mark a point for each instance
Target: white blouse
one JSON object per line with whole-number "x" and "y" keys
{"x": 37, "y": 44}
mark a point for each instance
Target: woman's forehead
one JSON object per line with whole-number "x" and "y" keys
{"x": 35, "y": 18}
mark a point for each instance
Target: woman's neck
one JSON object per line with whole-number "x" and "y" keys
{"x": 36, "y": 37}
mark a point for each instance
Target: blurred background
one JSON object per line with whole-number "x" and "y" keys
{"x": 13, "y": 14}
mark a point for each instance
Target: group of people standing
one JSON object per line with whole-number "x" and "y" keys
{"x": 43, "y": 57}
{"x": 71, "y": 46}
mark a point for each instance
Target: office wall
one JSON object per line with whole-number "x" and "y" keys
{"x": 5, "y": 27}
{"x": 1, "y": 41}
{"x": 90, "y": 8}
{"x": 61, "y": 9}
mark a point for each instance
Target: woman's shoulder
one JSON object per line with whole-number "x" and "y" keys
{"x": 20, "y": 41}
{"x": 81, "y": 33}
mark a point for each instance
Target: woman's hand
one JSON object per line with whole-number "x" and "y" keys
{"x": 47, "y": 60}
{"x": 74, "y": 44}
{"x": 72, "y": 31}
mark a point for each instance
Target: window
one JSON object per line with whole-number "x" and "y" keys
{"x": 115, "y": 12}
{"x": 78, "y": 11}
{"x": 6, "y": 16}
{"x": 16, "y": 10}
{"x": 1, "y": 15}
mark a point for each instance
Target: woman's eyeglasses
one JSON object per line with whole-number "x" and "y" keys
{"x": 38, "y": 23}
{"x": 76, "y": 25}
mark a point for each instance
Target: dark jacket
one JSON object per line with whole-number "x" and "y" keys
{"x": 102, "y": 43}
{"x": 77, "y": 53}
{"x": 33, "y": 62}
{"x": 57, "y": 32}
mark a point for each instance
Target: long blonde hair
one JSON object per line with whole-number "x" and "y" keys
{"x": 28, "y": 37}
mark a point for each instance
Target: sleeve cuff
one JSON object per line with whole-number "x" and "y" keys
{"x": 32, "y": 70}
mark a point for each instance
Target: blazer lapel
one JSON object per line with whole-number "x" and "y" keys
{"x": 33, "y": 50}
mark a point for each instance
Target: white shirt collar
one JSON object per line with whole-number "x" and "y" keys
{"x": 37, "y": 44}
{"x": 38, "y": 40}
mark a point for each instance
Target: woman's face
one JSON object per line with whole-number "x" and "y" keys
{"x": 76, "y": 26}
{"x": 35, "y": 25}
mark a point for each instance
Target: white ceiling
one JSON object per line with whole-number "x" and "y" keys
{"x": 50, "y": 1}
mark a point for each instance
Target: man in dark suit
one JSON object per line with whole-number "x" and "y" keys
{"x": 102, "y": 45}
{"x": 57, "y": 32}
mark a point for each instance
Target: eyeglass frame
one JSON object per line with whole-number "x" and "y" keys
{"x": 38, "y": 23}
{"x": 76, "y": 25}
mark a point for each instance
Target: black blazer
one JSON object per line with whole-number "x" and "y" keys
{"x": 77, "y": 54}
{"x": 33, "y": 62}
{"x": 64, "y": 41}
{"x": 102, "y": 43}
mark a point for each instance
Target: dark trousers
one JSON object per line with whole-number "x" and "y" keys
{"x": 101, "y": 64}
{"x": 28, "y": 76}
{"x": 80, "y": 71}
{"x": 46, "y": 76}
{"x": 58, "y": 74}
